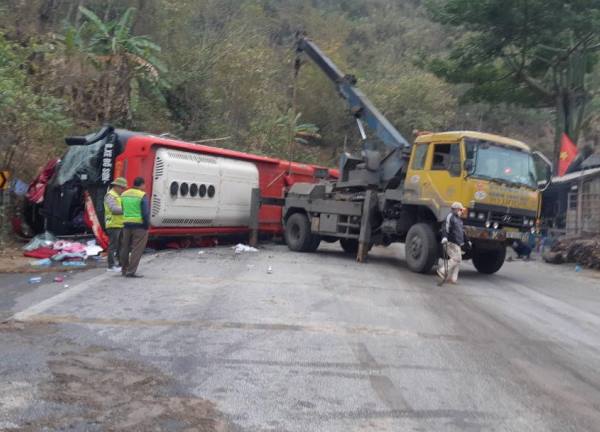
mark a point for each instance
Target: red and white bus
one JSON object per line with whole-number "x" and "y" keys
{"x": 194, "y": 189}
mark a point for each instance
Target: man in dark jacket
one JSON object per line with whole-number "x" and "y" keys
{"x": 136, "y": 222}
{"x": 453, "y": 239}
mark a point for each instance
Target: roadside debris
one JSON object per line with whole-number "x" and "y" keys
{"x": 69, "y": 256}
{"x": 46, "y": 262}
{"x": 585, "y": 252}
{"x": 35, "y": 279}
{"x": 73, "y": 264}
{"x": 45, "y": 239}
{"x": 240, "y": 247}
{"x": 270, "y": 270}
{"x": 41, "y": 252}
{"x": 59, "y": 279}
{"x": 48, "y": 249}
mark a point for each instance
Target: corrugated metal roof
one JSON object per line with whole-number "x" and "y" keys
{"x": 576, "y": 175}
{"x": 592, "y": 161}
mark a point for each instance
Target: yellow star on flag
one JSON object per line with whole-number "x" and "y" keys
{"x": 564, "y": 155}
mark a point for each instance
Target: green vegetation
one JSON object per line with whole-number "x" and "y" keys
{"x": 27, "y": 116}
{"x": 202, "y": 69}
{"x": 535, "y": 53}
{"x": 121, "y": 59}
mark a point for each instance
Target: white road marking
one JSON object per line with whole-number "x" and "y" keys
{"x": 44, "y": 305}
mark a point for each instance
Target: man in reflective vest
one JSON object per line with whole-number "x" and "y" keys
{"x": 135, "y": 231}
{"x": 113, "y": 221}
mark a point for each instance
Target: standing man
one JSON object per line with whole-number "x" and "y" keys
{"x": 135, "y": 231}
{"x": 113, "y": 221}
{"x": 453, "y": 238}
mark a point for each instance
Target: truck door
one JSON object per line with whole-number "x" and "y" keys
{"x": 416, "y": 180}
{"x": 444, "y": 174}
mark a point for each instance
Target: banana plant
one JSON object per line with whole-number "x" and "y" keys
{"x": 301, "y": 133}
{"x": 123, "y": 59}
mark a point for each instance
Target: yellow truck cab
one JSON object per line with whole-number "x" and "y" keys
{"x": 492, "y": 176}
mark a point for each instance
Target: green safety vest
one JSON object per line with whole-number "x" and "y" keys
{"x": 131, "y": 200}
{"x": 112, "y": 220}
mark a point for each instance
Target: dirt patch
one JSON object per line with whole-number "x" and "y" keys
{"x": 100, "y": 392}
{"x": 12, "y": 259}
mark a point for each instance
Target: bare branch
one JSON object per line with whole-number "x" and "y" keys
{"x": 519, "y": 71}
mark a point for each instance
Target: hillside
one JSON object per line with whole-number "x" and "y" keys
{"x": 201, "y": 69}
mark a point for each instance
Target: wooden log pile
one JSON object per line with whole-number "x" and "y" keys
{"x": 583, "y": 251}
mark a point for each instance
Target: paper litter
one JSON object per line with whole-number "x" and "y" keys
{"x": 240, "y": 247}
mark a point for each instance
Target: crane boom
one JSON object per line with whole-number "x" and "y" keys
{"x": 360, "y": 105}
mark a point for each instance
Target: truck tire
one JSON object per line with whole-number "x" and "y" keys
{"x": 297, "y": 234}
{"x": 350, "y": 246}
{"x": 421, "y": 248}
{"x": 489, "y": 261}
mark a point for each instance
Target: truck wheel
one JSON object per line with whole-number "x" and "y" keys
{"x": 350, "y": 246}
{"x": 421, "y": 248}
{"x": 489, "y": 261}
{"x": 297, "y": 233}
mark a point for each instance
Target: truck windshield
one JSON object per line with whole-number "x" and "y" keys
{"x": 504, "y": 164}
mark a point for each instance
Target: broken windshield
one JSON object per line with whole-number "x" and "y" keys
{"x": 501, "y": 163}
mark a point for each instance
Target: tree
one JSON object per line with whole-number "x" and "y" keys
{"x": 412, "y": 99}
{"x": 27, "y": 117}
{"x": 122, "y": 58}
{"x": 536, "y": 53}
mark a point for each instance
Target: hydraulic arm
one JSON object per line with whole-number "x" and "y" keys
{"x": 389, "y": 167}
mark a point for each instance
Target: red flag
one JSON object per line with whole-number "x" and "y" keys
{"x": 568, "y": 151}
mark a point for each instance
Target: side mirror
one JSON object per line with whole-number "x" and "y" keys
{"x": 542, "y": 166}
{"x": 76, "y": 141}
{"x": 469, "y": 166}
{"x": 87, "y": 140}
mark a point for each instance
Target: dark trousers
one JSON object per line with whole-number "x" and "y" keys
{"x": 522, "y": 250}
{"x": 132, "y": 247}
{"x": 114, "y": 245}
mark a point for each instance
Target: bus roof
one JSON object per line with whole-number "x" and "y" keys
{"x": 458, "y": 135}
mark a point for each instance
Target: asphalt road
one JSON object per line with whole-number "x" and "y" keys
{"x": 212, "y": 342}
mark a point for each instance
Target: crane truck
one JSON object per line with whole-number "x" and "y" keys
{"x": 397, "y": 192}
